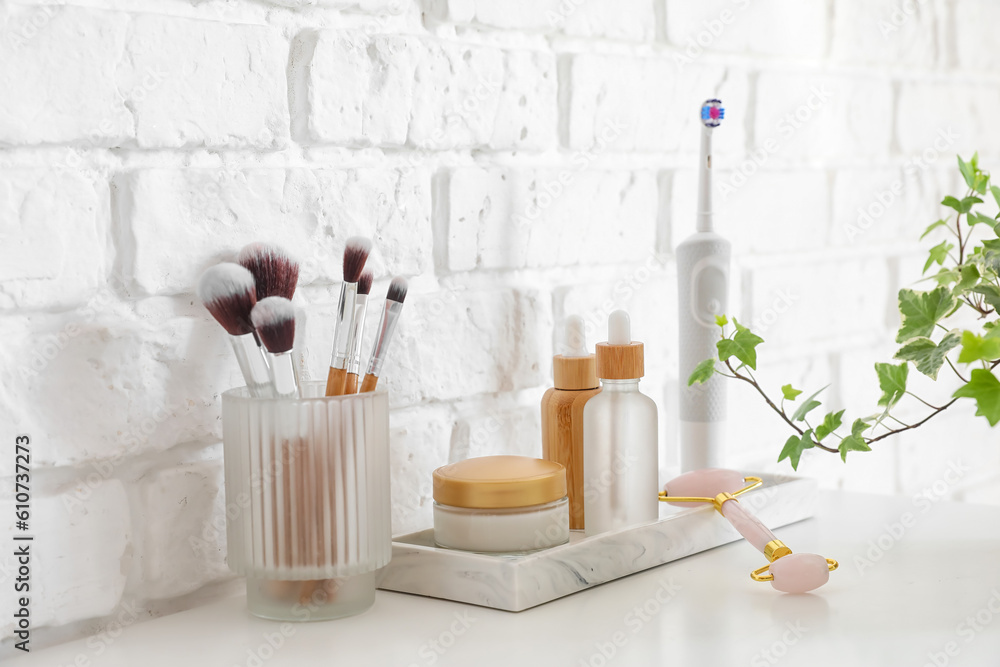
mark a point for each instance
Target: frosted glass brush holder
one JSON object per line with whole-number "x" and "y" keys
{"x": 307, "y": 500}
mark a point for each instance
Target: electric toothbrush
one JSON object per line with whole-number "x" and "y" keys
{"x": 703, "y": 292}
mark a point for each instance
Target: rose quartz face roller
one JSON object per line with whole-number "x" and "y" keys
{"x": 787, "y": 572}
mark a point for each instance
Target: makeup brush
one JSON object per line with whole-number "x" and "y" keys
{"x": 357, "y": 333}
{"x": 274, "y": 269}
{"x": 229, "y": 293}
{"x": 355, "y": 255}
{"x": 387, "y": 325}
{"x": 274, "y": 319}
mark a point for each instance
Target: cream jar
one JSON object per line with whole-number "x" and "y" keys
{"x": 501, "y": 504}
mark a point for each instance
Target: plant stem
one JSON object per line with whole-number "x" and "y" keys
{"x": 770, "y": 403}
{"x": 912, "y": 426}
{"x": 956, "y": 371}
{"x": 932, "y": 407}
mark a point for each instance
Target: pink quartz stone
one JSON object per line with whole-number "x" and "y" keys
{"x": 705, "y": 483}
{"x": 749, "y": 526}
{"x": 798, "y": 573}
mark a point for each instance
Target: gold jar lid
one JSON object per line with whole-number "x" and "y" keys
{"x": 494, "y": 482}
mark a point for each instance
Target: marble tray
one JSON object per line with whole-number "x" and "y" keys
{"x": 516, "y": 583}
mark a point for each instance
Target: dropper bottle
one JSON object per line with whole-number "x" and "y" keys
{"x": 619, "y": 438}
{"x": 575, "y": 382}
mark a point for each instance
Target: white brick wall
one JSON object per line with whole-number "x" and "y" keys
{"x": 520, "y": 161}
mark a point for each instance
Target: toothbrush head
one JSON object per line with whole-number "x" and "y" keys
{"x": 712, "y": 113}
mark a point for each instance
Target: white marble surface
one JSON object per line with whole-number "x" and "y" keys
{"x": 516, "y": 583}
{"x": 894, "y": 602}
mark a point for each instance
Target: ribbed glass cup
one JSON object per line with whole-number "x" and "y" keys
{"x": 307, "y": 498}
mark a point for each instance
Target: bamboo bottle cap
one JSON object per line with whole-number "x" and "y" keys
{"x": 620, "y": 358}
{"x": 575, "y": 373}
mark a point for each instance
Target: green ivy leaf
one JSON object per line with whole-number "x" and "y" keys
{"x": 831, "y": 423}
{"x": 963, "y": 205}
{"x": 922, "y": 310}
{"x": 968, "y": 170}
{"x": 984, "y": 387}
{"x": 978, "y": 348}
{"x": 789, "y": 392}
{"x": 938, "y": 255}
{"x": 794, "y": 447}
{"x": 852, "y": 443}
{"x": 969, "y": 277}
{"x": 976, "y": 218}
{"x": 743, "y": 346}
{"x": 927, "y": 355}
{"x": 892, "y": 381}
{"x": 996, "y": 193}
{"x": 982, "y": 180}
{"x": 702, "y": 372}
{"x": 991, "y": 293}
{"x": 934, "y": 225}
{"x": 807, "y": 407}
{"x": 721, "y": 320}
{"x": 946, "y": 276}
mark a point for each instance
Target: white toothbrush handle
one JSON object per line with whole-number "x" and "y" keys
{"x": 703, "y": 293}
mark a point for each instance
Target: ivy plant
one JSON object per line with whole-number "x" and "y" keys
{"x": 964, "y": 275}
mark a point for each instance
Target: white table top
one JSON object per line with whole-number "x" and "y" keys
{"x": 931, "y": 588}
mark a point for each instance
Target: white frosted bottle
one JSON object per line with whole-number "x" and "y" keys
{"x": 619, "y": 438}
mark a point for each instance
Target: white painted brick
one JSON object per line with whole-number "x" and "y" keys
{"x": 502, "y": 337}
{"x": 212, "y": 213}
{"x": 54, "y": 239}
{"x": 880, "y": 31}
{"x": 890, "y": 205}
{"x": 97, "y": 386}
{"x": 395, "y": 90}
{"x": 203, "y": 83}
{"x": 420, "y": 440}
{"x": 491, "y": 430}
{"x": 760, "y": 212}
{"x": 182, "y": 513}
{"x": 527, "y": 114}
{"x": 812, "y": 115}
{"x": 948, "y": 118}
{"x": 502, "y": 334}
{"x": 815, "y": 299}
{"x": 512, "y": 218}
{"x": 771, "y": 27}
{"x": 628, "y": 19}
{"x": 59, "y": 76}
{"x": 82, "y": 552}
{"x": 622, "y": 103}
{"x": 368, "y": 6}
{"x": 974, "y": 42}
{"x": 647, "y": 290}
{"x": 100, "y": 78}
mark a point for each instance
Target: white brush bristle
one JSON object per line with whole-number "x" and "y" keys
{"x": 224, "y": 280}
